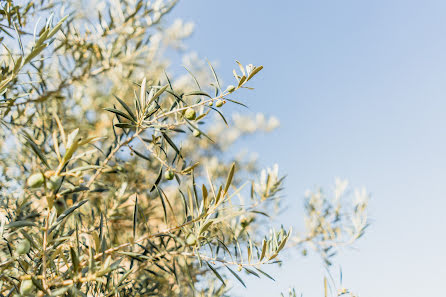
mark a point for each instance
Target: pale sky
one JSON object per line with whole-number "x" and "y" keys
{"x": 359, "y": 88}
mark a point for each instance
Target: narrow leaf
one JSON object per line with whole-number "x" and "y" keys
{"x": 198, "y": 93}
{"x": 215, "y": 75}
{"x": 265, "y": 274}
{"x": 119, "y": 113}
{"x": 216, "y": 273}
{"x": 236, "y": 276}
{"x": 229, "y": 178}
{"x": 254, "y": 72}
{"x": 127, "y": 108}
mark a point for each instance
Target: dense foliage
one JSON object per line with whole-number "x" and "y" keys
{"x": 116, "y": 178}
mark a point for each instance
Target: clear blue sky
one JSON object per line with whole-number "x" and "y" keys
{"x": 359, "y": 87}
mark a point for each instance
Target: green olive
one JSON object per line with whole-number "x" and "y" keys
{"x": 230, "y": 89}
{"x": 169, "y": 175}
{"x": 210, "y": 103}
{"x": 35, "y": 180}
{"x": 26, "y": 287}
{"x": 219, "y": 103}
{"x": 190, "y": 114}
{"x": 196, "y": 133}
{"x": 23, "y": 247}
{"x": 191, "y": 239}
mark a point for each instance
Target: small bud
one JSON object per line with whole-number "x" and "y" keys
{"x": 230, "y": 89}
{"x": 196, "y": 133}
{"x": 23, "y": 247}
{"x": 191, "y": 239}
{"x": 169, "y": 175}
{"x": 190, "y": 114}
{"x": 239, "y": 268}
{"x": 35, "y": 180}
{"x": 26, "y": 287}
{"x": 211, "y": 103}
{"x": 219, "y": 103}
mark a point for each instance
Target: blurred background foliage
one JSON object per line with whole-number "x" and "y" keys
{"x": 116, "y": 177}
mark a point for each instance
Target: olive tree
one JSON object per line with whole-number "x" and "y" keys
{"x": 116, "y": 176}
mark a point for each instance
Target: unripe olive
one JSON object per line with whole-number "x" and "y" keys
{"x": 23, "y": 247}
{"x": 35, "y": 180}
{"x": 169, "y": 175}
{"x": 54, "y": 182}
{"x": 26, "y": 287}
{"x": 219, "y": 103}
{"x": 191, "y": 239}
{"x": 211, "y": 103}
{"x": 230, "y": 89}
{"x": 239, "y": 268}
{"x": 190, "y": 114}
{"x": 196, "y": 133}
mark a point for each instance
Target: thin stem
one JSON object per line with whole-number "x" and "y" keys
{"x": 186, "y": 107}
{"x": 109, "y": 157}
{"x": 45, "y": 243}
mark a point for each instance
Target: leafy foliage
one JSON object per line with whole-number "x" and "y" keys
{"x": 115, "y": 177}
